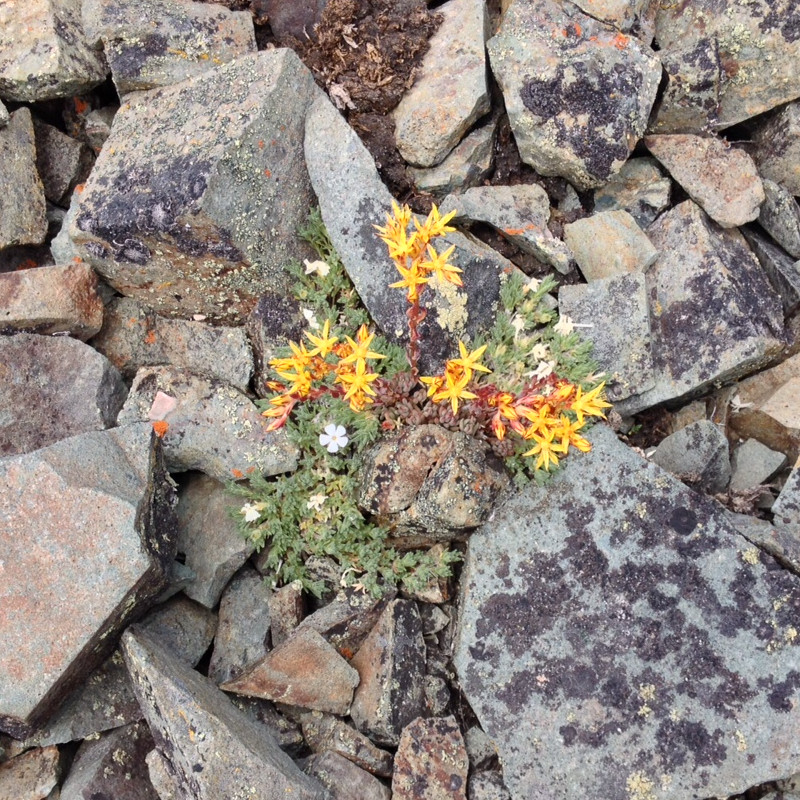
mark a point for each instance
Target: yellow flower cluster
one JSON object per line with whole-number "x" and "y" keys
{"x": 452, "y": 385}
{"x": 346, "y": 360}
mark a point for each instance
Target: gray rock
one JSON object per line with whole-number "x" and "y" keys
{"x": 781, "y": 269}
{"x": 697, "y": 454}
{"x": 618, "y": 611}
{"x": 786, "y": 509}
{"x": 4, "y": 115}
{"x": 721, "y": 179}
{"x": 776, "y": 150}
{"x": 783, "y": 543}
{"x": 467, "y": 164}
{"x": 205, "y": 225}
{"x": 22, "y": 203}
{"x": 31, "y": 775}
{"x": 519, "y": 213}
{"x": 293, "y": 19}
{"x": 753, "y": 464}
{"x": 61, "y": 247}
{"x": 303, "y": 671}
{"x": 44, "y": 53}
{"x": 286, "y": 610}
{"x": 622, "y": 14}
{"x": 64, "y": 386}
{"x": 352, "y": 200}
{"x": 609, "y": 243}
{"x": 780, "y": 217}
{"x": 579, "y": 102}
{"x": 639, "y": 188}
{"x": 487, "y": 786}
{"x": 616, "y": 310}
{"x": 195, "y": 725}
{"x": 112, "y": 766}
{"x": 391, "y": 665}
{"x": 286, "y": 731}
{"x": 691, "y": 98}
{"x": 159, "y": 775}
{"x": 344, "y": 779}
{"x": 430, "y": 484}
{"x": 714, "y": 316}
{"x": 97, "y": 126}
{"x": 214, "y": 428}
{"x": 744, "y": 33}
{"x": 150, "y": 44}
{"x": 133, "y": 336}
{"x": 107, "y": 487}
{"x": 209, "y": 538}
{"x": 450, "y": 92}
{"x": 62, "y": 162}
{"x": 480, "y": 748}
{"x": 242, "y": 636}
{"x": 47, "y": 300}
{"x": 185, "y": 627}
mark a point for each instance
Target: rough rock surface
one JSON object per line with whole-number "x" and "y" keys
{"x": 714, "y": 315}
{"x": 65, "y": 387}
{"x": 344, "y": 779}
{"x": 631, "y": 622}
{"x": 47, "y": 300}
{"x": 133, "y": 336}
{"x": 202, "y": 198}
{"x": 214, "y": 428}
{"x": 430, "y": 484}
{"x": 209, "y": 748}
{"x": 150, "y": 44}
{"x": 640, "y": 188}
{"x": 62, "y": 162}
{"x": 776, "y": 150}
{"x": 753, "y": 464}
{"x": 44, "y": 53}
{"x": 578, "y": 93}
{"x": 101, "y": 511}
{"x": 782, "y": 270}
{"x": 780, "y": 217}
{"x": 31, "y": 775}
{"x": 787, "y": 506}
{"x": 721, "y": 179}
{"x": 450, "y": 92}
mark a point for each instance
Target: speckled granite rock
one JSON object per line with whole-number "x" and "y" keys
{"x": 578, "y": 93}
{"x": 621, "y": 613}
{"x": 44, "y": 53}
{"x": 208, "y": 194}
{"x": 150, "y": 44}
{"x": 98, "y": 506}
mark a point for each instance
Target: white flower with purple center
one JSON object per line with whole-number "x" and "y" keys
{"x": 334, "y": 438}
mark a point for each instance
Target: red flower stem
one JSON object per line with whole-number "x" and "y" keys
{"x": 415, "y": 315}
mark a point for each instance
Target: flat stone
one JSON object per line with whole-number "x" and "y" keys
{"x": 616, "y": 310}
{"x": 107, "y": 487}
{"x": 698, "y": 454}
{"x": 352, "y": 199}
{"x": 112, "y": 766}
{"x": 640, "y": 188}
{"x": 519, "y": 213}
{"x": 44, "y": 53}
{"x": 782, "y": 270}
{"x": 212, "y": 192}
{"x": 721, "y": 179}
{"x": 430, "y": 484}
{"x": 159, "y": 776}
{"x": 465, "y": 166}
{"x": 391, "y": 665}
{"x": 753, "y": 464}
{"x": 243, "y": 633}
{"x": 65, "y": 387}
{"x": 22, "y": 203}
{"x": 133, "y": 336}
{"x": 776, "y": 150}
{"x": 588, "y": 104}
{"x": 47, "y": 300}
{"x": 450, "y": 92}
{"x": 286, "y": 610}
{"x": 324, "y": 732}
{"x": 185, "y": 627}
{"x": 344, "y": 779}
{"x": 303, "y": 671}
{"x": 195, "y": 725}
{"x": 431, "y": 761}
{"x": 214, "y": 428}
{"x": 150, "y": 44}
{"x": 620, "y": 612}
{"x": 31, "y": 775}
{"x": 786, "y": 509}
{"x": 609, "y": 243}
{"x": 62, "y": 162}
{"x": 713, "y": 314}
{"x": 781, "y": 542}
{"x": 780, "y": 217}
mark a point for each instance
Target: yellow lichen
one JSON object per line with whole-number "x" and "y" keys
{"x": 640, "y": 787}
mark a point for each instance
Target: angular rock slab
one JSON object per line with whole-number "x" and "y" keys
{"x": 714, "y": 315}
{"x": 782, "y": 270}
{"x": 344, "y": 779}
{"x": 450, "y": 92}
{"x": 31, "y": 775}
{"x": 352, "y": 199}
{"x": 588, "y": 104}
{"x": 776, "y": 148}
{"x": 619, "y": 639}
{"x": 193, "y": 205}
{"x": 780, "y": 217}
{"x": 208, "y": 748}
{"x": 640, "y": 188}
{"x": 88, "y": 543}
{"x": 44, "y": 53}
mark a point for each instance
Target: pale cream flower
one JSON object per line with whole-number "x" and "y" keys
{"x": 320, "y": 267}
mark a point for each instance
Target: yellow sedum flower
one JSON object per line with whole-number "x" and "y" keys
{"x": 589, "y": 404}
{"x": 324, "y": 343}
